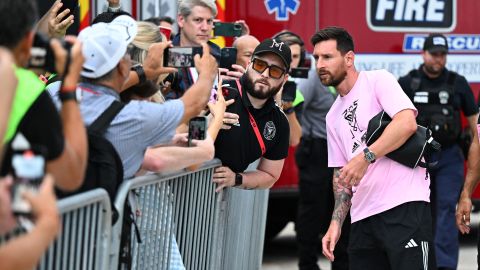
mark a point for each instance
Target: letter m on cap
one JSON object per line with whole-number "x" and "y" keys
{"x": 277, "y": 44}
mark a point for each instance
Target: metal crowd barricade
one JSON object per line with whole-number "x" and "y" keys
{"x": 178, "y": 216}
{"x": 84, "y": 241}
{"x": 183, "y": 224}
{"x": 245, "y": 219}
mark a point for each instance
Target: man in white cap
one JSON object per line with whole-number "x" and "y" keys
{"x": 139, "y": 124}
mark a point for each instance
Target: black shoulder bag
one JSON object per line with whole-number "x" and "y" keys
{"x": 410, "y": 154}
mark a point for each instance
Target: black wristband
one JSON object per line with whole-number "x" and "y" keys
{"x": 238, "y": 180}
{"x": 289, "y": 110}
{"x": 65, "y": 96}
{"x": 140, "y": 72}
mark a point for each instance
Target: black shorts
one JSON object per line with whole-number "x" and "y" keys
{"x": 397, "y": 239}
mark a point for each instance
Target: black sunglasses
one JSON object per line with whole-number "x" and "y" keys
{"x": 274, "y": 71}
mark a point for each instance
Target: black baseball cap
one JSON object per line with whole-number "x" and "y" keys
{"x": 436, "y": 43}
{"x": 277, "y": 47}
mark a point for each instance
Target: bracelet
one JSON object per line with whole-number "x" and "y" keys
{"x": 66, "y": 96}
{"x": 65, "y": 89}
{"x": 140, "y": 73}
{"x": 289, "y": 110}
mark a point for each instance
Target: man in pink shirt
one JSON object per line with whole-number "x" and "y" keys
{"x": 389, "y": 202}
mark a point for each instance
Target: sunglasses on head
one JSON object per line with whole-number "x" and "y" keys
{"x": 274, "y": 71}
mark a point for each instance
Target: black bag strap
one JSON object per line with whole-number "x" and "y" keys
{"x": 103, "y": 121}
{"x": 432, "y": 146}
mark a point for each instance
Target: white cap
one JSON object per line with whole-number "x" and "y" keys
{"x": 127, "y": 25}
{"x": 104, "y": 45}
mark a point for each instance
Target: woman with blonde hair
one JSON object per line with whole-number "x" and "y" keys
{"x": 148, "y": 34}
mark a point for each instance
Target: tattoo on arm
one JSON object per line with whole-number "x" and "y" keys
{"x": 343, "y": 198}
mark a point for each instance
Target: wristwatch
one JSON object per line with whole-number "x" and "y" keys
{"x": 238, "y": 180}
{"x": 140, "y": 73}
{"x": 369, "y": 155}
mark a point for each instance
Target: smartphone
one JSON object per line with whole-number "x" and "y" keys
{"x": 289, "y": 91}
{"x": 228, "y": 57}
{"x": 166, "y": 31}
{"x": 197, "y": 128}
{"x": 227, "y": 29}
{"x": 213, "y": 92}
{"x": 72, "y": 5}
{"x": 299, "y": 72}
{"x": 180, "y": 56}
{"x": 29, "y": 170}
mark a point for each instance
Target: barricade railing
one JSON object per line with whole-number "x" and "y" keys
{"x": 245, "y": 218}
{"x": 84, "y": 240}
{"x": 178, "y": 217}
{"x": 182, "y": 222}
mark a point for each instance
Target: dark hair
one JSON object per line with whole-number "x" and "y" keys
{"x": 144, "y": 90}
{"x": 17, "y": 18}
{"x": 289, "y": 38}
{"x": 343, "y": 38}
{"x": 166, "y": 19}
{"x": 109, "y": 16}
{"x": 158, "y": 20}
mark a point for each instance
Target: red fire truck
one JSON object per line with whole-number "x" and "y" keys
{"x": 388, "y": 34}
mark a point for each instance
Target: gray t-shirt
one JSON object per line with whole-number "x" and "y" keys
{"x": 318, "y": 100}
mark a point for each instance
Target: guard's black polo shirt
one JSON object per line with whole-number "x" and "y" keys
{"x": 238, "y": 147}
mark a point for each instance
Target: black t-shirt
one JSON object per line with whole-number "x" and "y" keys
{"x": 238, "y": 147}
{"x": 463, "y": 99}
{"x": 42, "y": 127}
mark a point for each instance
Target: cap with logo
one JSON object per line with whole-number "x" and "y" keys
{"x": 105, "y": 44}
{"x": 436, "y": 43}
{"x": 277, "y": 47}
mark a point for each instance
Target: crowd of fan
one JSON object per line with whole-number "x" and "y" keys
{"x": 116, "y": 60}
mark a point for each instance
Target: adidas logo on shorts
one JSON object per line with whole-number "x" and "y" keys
{"x": 411, "y": 244}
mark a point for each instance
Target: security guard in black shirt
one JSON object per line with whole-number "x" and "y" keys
{"x": 262, "y": 129}
{"x": 440, "y": 96}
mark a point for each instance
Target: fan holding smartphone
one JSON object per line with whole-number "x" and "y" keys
{"x": 197, "y": 128}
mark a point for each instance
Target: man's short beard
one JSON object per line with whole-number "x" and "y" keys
{"x": 432, "y": 71}
{"x": 249, "y": 85}
{"x": 335, "y": 81}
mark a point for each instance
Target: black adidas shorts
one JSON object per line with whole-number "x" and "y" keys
{"x": 397, "y": 239}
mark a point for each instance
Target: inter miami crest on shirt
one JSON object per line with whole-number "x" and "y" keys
{"x": 269, "y": 131}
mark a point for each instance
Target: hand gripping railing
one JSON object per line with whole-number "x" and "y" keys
{"x": 178, "y": 216}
